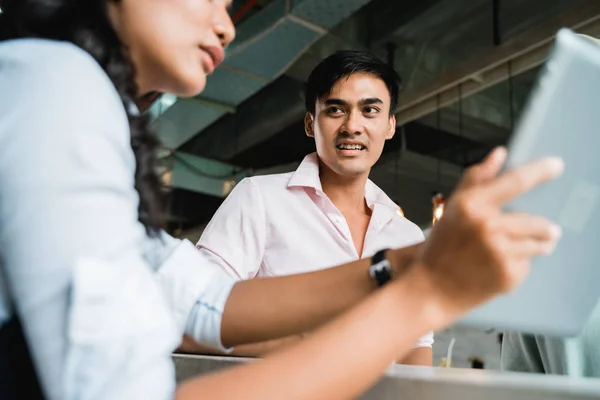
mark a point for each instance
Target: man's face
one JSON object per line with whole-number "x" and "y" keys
{"x": 351, "y": 124}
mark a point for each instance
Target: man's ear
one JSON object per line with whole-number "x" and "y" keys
{"x": 391, "y": 128}
{"x": 309, "y": 122}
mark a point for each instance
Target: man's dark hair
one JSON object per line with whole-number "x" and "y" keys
{"x": 342, "y": 64}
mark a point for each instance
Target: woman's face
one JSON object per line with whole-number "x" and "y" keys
{"x": 173, "y": 44}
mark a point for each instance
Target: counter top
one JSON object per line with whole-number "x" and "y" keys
{"x": 422, "y": 383}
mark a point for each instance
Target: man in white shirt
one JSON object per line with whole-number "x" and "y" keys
{"x": 327, "y": 212}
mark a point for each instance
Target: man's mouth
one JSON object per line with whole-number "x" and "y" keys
{"x": 350, "y": 147}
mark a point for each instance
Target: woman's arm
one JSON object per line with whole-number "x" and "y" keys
{"x": 205, "y": 301}
{"x": 256, "y": 350}
{"x": 268, "y": 308}
{"x": 338, "y": 361}
{"x": 419, "y": 356}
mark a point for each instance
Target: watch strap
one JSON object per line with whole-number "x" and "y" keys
{"x": 380, "y": 269}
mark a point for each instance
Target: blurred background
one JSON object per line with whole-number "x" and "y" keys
{"x": 467, "y": 66}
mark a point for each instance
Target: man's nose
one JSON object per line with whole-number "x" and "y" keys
{"x": 353, "y": 124}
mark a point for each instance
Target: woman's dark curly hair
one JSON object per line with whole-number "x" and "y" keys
{"x": 85, "y": 23}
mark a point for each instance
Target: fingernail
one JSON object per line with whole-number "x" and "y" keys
{"x": 499, "y": 151}
{"x": 555, "y": 231}
{"x": 557, "y": 164}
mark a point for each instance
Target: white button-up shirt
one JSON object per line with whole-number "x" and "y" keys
{"x": 284, "y": 224}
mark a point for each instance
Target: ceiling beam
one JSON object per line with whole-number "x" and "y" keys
{"x": 385, "y": 18}
{"x": 199, "y": 174}
{"x": 277, "y": 106}
{"x": 515, "y": 56}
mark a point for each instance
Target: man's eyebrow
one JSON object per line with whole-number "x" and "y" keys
{"x": 335, "y": 102}
{"x": 363, "y": 102}
{"x": 370, "y": 100}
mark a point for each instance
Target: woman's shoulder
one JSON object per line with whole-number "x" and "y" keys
{"x": 54, "y": 71}
{"x": 32, "y": 49}
{"x": 56, "y": 89}
{"x": 46, "y": 57}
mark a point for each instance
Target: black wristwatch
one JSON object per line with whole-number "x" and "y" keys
{"x": 380, "y": 269}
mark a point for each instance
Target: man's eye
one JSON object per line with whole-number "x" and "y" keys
{"x": 334, "y": 110}
{"x": 371, "y": 110}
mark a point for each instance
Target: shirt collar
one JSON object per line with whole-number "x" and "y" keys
{"x": 307, "y": 176}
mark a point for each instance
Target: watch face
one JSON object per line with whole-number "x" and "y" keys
{"x": 381, "y": 266}
{"x": 380, "y": 272}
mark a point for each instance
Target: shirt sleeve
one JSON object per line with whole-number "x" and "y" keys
{"x": 71, "y": 247}
{"x": 235, "y": 237}
{"x": 424, "y": 341}
{"x": 196, "y": 290}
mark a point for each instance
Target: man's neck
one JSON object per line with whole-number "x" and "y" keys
{"x": 346, "y": 193}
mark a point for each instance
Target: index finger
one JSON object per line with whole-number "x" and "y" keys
{"x": 522, "y": 179}
{"x": 485, "y": 170}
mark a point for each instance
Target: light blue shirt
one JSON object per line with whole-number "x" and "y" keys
{"x": 102, "y": 305}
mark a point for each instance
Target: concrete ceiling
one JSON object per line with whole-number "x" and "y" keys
{"x": 431, "y": 40}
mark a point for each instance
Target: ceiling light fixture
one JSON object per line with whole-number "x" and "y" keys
{"x": 438, "y": 202}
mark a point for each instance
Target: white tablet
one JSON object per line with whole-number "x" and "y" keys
{"x": 562, "y": 118}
